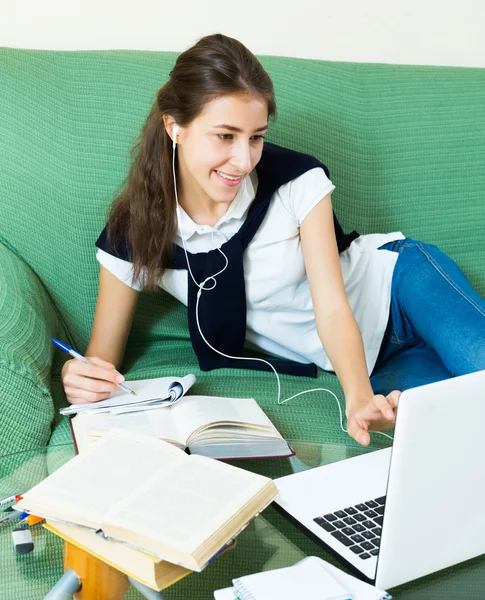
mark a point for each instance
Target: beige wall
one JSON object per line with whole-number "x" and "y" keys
{"x": 393, "y": 31}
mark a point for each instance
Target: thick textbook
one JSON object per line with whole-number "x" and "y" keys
{"x": 147, "y": 493}
{"x": 146, "y": 568}
{"x": 224, "y": 428}
{"x": 150, "y": 393}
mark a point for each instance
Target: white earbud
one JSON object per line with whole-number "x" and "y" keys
{"x": 175, "y": 131}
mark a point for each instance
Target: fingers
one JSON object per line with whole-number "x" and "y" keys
{"x": 89, "y": 383}
{"x": 358, "y": 432}
{"x": 102, "y": 363}
{"x": 376, "y": 414}
{"x": 393, "y": 398}
{"x": 99, "y": 370}
{"x": 80, "y": 396}
{"x": 385, "y": 406}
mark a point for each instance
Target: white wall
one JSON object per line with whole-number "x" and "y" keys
{"x": 433, "y": 32}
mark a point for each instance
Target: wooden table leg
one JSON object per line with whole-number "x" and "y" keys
{"x": 99, "y": 581}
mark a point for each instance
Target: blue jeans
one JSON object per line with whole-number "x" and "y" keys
{"x": 436, "y": 327}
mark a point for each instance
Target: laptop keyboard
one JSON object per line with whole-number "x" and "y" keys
{"x": 358, "y": 527}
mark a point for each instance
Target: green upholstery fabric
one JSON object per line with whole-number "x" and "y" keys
{"x": 28, "y": 320}
{"x": 405, "y": 146}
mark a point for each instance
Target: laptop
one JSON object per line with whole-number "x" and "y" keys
{"x": 397, "y": 514}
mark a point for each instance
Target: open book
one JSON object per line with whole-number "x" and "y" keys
{"x": 161, "y": 391}
{"x": 225, "y": 428}
{"x": 149, "y": 494}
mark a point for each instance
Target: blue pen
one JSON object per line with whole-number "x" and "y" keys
{"x": 80, "y": 357}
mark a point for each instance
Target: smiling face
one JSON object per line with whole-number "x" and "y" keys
{"x": 217, "y": 150}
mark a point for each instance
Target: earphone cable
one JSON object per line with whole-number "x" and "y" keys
{"x": 212, "y": 277}
{"x": 203, "y": 288}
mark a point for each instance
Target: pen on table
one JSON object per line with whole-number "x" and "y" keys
{"x": 80, "y": 357}
{"x": 26, "y": 517}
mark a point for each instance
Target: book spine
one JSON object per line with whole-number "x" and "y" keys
{"x": 225, "y": 547}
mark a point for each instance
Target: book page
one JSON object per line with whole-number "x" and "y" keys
{"x": 156, "y": 423}
{"x": 194, "y": 412}
{"x": 184, "y": 504}
{"x": 85, "y": 489}
{"x": 235, "y": 432}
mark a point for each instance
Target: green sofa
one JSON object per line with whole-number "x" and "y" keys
{"x": 405, "y": 146}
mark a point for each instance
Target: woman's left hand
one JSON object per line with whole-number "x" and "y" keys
{"x": 371, "y": 414}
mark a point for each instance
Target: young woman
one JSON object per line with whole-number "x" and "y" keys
{"x": 243, "y": 233}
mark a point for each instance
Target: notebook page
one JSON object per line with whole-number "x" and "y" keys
{"x": 84, "y": 489}
{"x": 194, "y": 412}
{"x": 146, "y": 389}
{"x": 307, "y": 579}
{"x": 182, "y": 505}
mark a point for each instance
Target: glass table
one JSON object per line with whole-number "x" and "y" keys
{"x": 268, "y": 542}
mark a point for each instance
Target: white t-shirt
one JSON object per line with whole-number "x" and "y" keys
{"x": 280, "y": 315}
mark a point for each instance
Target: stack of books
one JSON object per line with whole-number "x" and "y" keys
{"x": 146, "y": 507}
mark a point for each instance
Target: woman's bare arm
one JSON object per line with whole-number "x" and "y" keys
{"x": 336, "y": 324}
{"x": 337, "y": 328}
{"x": 113, "y": 317}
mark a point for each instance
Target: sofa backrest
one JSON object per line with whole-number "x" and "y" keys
{"x": 405, "y": 147}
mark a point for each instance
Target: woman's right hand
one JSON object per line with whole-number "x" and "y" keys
{"x": 89, "y": 383}
{"x": 374, "y": 413}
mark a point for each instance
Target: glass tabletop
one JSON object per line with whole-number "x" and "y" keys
{"x": 268, "y": 542}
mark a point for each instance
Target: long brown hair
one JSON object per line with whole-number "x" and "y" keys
{"x": 144, "y": 214}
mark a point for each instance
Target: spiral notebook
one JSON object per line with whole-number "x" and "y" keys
{"x": 150, "y": 393}
{"x": 312, "y": 579}
{"x": 307, "y": 579}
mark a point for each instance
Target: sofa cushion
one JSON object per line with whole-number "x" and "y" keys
{"x": 28, "y": 320}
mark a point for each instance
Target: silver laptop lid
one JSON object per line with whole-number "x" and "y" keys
{"x": 434, "y": 515}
